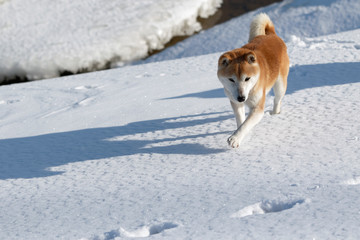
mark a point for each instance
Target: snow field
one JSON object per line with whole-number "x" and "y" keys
{"x": 141, "y": 152}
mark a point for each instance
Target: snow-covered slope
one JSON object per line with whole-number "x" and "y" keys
{"x": 302, "y": 18}
{"x": 141, "y": 152}
{"x": 41, "y": 38}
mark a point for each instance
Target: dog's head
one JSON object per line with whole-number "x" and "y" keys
{"x": 238, "y": 71}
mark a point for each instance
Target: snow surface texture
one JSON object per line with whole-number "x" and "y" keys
{"x": 41, "y": 38}
{"x": 141, "y": 151}
{"x": 303, "y": 18}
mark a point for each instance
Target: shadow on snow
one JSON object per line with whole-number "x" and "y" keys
{"x": 302, "y": 77}
{"x": 30, "y": 157}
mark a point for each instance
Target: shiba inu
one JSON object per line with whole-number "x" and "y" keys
{"x": 248, "y": 73}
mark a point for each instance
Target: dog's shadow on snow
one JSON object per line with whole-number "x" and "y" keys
{"x": 31, "y": 157}
{"x": 302, "y": 77}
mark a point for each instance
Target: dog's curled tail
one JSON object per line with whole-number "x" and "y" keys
{"x": 261, "y": 25}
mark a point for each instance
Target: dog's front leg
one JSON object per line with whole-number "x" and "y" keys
{"x": 239, "y": 112}
{"x": 254, "y": 118}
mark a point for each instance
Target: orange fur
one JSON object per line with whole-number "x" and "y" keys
{"x": 271, "y": 55}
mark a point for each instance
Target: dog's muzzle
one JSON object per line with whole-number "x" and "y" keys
{"x": 241, "y": 99}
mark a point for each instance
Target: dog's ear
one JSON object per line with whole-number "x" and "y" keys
{"x": 224, "y": 61}
{"x": 251, "y": 58}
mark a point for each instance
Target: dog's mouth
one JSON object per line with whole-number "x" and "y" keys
{"x": 235, "y": 97}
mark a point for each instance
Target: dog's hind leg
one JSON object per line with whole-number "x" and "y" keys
{"x": 239, "y": 112}
{"x": 279, "y": 92}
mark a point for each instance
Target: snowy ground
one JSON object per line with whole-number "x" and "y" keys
{"x": 302, "y": 18}
{"x": 141, "y": 151}
{"x": 41, "y": 38}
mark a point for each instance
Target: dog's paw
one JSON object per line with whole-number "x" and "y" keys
{"x": 274, "y": 112}
{"x": 233, "y": 141}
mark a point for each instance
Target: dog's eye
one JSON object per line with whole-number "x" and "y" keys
{"x": 231, "y": 80}
{"x": 247, "y": 79}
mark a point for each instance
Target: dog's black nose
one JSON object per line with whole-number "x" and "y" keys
{"x": 241, "y": 99}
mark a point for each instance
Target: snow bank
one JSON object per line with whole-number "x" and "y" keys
{"x": 41, "y": 38}
{"x": 291, "y": 17}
